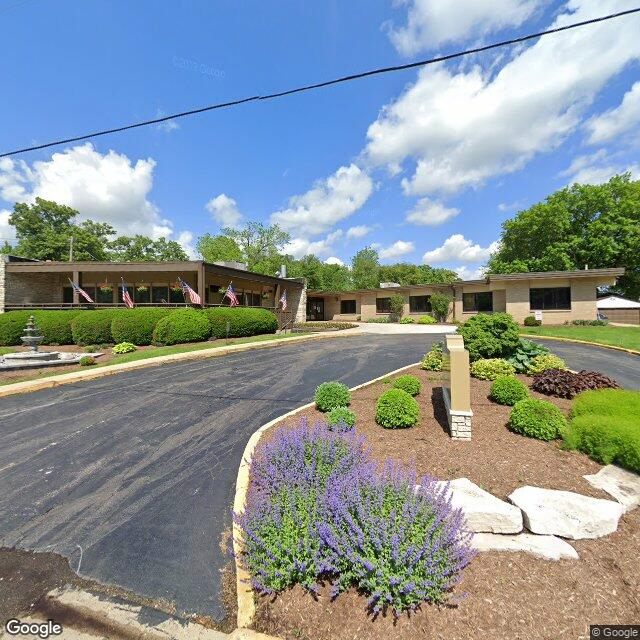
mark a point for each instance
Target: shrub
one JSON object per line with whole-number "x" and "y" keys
{"x": 566, "y": 384}
{"x": 530, "y": 321}
{"x": 322, "y": 324}
{"x": 124, "y": 347}
{"x": 341, "y": 417}
{"x": 607, "y": 402}
{"x": 508, "y": 390}
{"x": 440, "y": 303}
{"x": 137, "y": 325}
{"x": 407, "y": 320}
{"x": 590, "y": 323}
{"x": 407, "y": 383}
{"x": 12, "y": 325}
{"x": 525, "y": 352}
{"x": 90, "y": 348}
{"x": 330, "y": 395}
{"x": 546, "y": 361}
{"x": 432, "y": 360}
{"x": 396, "y": 409}
{"x": 491, "y": 368}
{"x": 378, "y": 320}
{"x": 54, "y": 326}
{"x": 242, "y": 322}
{"x": 86, "y": 361}
{"x": 537, "y": 419}
{"x": 490, "y": 336}
{"x": 182, "y": 325}
{"x": 94, "y": 327}
{"x": 427, "y": 320}
{"x": 396, "y": 307}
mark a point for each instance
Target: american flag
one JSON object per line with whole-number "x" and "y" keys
{"x": 231, "y": 294}
{"x": 283, "y": 300}
{"x": 81, "y": 291}
{"x": 126, "y": 298}
{"x": 188, "y": 291}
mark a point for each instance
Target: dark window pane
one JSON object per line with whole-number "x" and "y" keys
{"x": 550, "y": 298}
{"x": 159, "y": 295}
{"x": 419, "y": 304}
{"x": 142, "y": 296}
{"x": 104, "y": 295}
{"x": 480, "y": 301}
{"x": 256, "y": 299}
{"x": 383, "y": 305}
{"x": 67, "y": 294}
{"x": 176, "y": 295}
{"x": 347, "y": 306}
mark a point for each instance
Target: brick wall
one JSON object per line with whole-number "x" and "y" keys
{"x": 2, "y": 277}
{"x": 33, "y": 288}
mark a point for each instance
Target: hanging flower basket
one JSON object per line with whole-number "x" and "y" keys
{"x": 176, "y": 288}
{"x": 106, "y": 288}
{"x": 142, "y": 289}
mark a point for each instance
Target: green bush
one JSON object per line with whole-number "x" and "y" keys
{"x": 491, "y": 368}
{"x": 90, "y": 348}
{"x": 432, "y": 360}
{"x": 331, "y": 395}
{"x": 396, "y": 307}
{"x": 525, "y": 352}
{"x": 242, "y": 321}
{"x": 12, "y": 325}
{"x": 537, "y": 419}
{"x": 440, "y": 303}
{"x": 124, "y": 347}
{"x": 493, "y": 335}
{"x": 590, "y": 323}
{"x": 530, "y": 321}
{"x": 341, "y": 416}
{"x": 54, "y": 326}
{"x": 182, "y": 325}
{"x": 508, "y": 390}
{"x": 93, "y": 327}
{"x": 382, "y": 320}
{"x": 137, "y": 325}
{"x": 427, "y": 320}
{"x": 407, "y": 320}
{"x": 545, "y": 362}
{"x": 407, "y": 383}
{"x": 607, "y": 402}
{"x": 396, "y": 409}
{"x": 86, "y": 361}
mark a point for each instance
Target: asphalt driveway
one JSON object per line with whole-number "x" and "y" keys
{"x": 132, "y": 476}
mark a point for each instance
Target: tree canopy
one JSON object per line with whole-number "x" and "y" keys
{"x": 258, "y": 243}
{"x": 594, "y": 225}
{"x": 218, "y": 248}
{"x": 140, "y": 248}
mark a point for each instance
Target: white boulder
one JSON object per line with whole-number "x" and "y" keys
{"x": 566, "y": 514}
{"x": 546, "y": 547}
{"x": 483, "y": 511}
{"x": 623, "y": 485}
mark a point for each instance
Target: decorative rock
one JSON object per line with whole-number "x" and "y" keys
{"x": 483, "y": 511}
{"x": 566, "y": 514}
{"x": 546, "y": 547}
{"x": 623, "y": 485}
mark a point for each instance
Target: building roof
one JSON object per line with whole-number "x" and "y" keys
{"x": 616, "y": 302}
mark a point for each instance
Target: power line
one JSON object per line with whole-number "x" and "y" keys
{"x": 327, "y": 83}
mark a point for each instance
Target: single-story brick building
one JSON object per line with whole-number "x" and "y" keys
{"x": 555, "y": 296}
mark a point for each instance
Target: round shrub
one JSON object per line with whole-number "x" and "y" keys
{"x": 396, "y": 409}
{"x": 537, "y": 419}
{"x": 530, "y": 321}
{"x": 90, "y": 348}
{"x": 407, "y": 320}
{"x": 508, "y": 390}
{"x": 12, "y": 325}
{"x": 544, "y": 362}
{"x": 86, "y": 361}
{"x": 407, "y": 383}
{"x": 54, "y": 326}
{"x": 493, "y": 335}
{"x": 124, "y": 347}
{"x": 242, "y": 322}
{"x": 341, "y": 417}
{"x": 330, "y": 395}
{"x": 491, "y": 368}
{"x": 137, "y": 325}
{"x": 432, "y": 360}
{"x": 182, "y": 325}
{"x": 427, "y": 320}
{"x": 93, "y": 327}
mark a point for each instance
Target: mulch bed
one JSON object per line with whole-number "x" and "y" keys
{"x": 509, "y": 595}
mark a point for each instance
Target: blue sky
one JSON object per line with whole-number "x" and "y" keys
{"x": 424, "y": 165}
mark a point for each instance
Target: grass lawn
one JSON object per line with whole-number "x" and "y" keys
{"x": 627, "y": 337}
{"x": 5, "y": 350}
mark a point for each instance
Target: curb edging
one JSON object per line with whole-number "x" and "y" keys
{"x": 246, "y": 604}
{"x": 633, "y": 352}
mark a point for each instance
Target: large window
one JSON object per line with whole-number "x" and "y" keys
{"x": 419, "y": 304}
{"x": 481, "y": 301}
{"x": 347, "y": 306}
{"x": 383, "y": 305}
{"x": 550, "y": 298}
{"x": 159, "y": 294}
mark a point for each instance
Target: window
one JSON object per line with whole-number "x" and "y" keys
{"x": 159, "y": 294}
{"x": 104, "y": 295}
{"x": 383, "y": 305}
{"x": 481, "y": 301}
{"x": 550, "y": 298}
{"x": 142, "y": 294}
{"x": 175, "y": 294}
{"x": 347, "y": 306}
{"x": 67, "y": 295}
{"x": 419, "y": 304}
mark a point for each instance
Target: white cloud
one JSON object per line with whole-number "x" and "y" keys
{"x": 359, "y": 231}
{"x": 104, "y": 187}
{"x": 397, "y": 249}
{"x": 224, "y": 210}
{"x": 334, "y": 260}
{"x": 328, "y": 202}
{"x": 185, "y": 239}
{"x": 510, "y": 206}
{"x": 614, "y": 122}
{"x": 7, "y": 232}
{"x": 596, "y": 168}
{"x": 457, "y": 248}
{"x": 463, "y": 128}
{"x": 168, "y": 125}
{"x": 299, "y": 247}
{"x": 431, "y": 213}
{"x": 431, "y": 23}
{"x": 470, "y": 272}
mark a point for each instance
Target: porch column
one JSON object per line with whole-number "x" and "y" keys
{"x": 77, "y": 279}
{"x": 202, "y": 283}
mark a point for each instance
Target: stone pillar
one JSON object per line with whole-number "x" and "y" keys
{"x": 457, "y": 388}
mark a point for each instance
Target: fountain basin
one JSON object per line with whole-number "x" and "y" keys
{"x": 37, "y": 359}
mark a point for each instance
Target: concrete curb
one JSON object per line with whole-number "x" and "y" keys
{"x": 102, "y": 372}
{"x": 633, "y": 352}
{"x": 246, "y": 604}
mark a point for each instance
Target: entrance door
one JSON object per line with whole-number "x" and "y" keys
{"x": 315, "y": 308}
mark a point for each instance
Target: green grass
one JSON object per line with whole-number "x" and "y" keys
{"x": 626, "y": 337}
{"x": 5, "y": 350}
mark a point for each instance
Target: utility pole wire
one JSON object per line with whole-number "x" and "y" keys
{"x": 327, "y": 83}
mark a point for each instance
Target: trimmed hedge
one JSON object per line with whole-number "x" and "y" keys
{"x": 537, "y": 419}
{"x": 408, "y": 383}
{"x": 93, "y": 327}
{"x": 331, "y": 395}
{"x": 396, "y": 409}
{"x": 55, "y": 326}
{"x": 508, "y": 390}
{"x": 137, "y": 325}
{"x": 242, "y": 322}
{"x": 182, "y": 325}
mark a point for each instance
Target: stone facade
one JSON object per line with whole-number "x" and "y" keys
{"x": 2, "y": 281}
{"x": 32, "y": 288}
{"x": 459, "y": 426}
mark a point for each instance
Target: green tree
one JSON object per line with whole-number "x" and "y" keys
{"x": 336, "y": 277}
{"x": 406, "y": 273}
{"x": 594, "y": 225}
{"x": 257, "y": 242}
{"x": 218, "y": 248}
{"x": 365, "y": 269}
{"x": 140, "y": 248}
